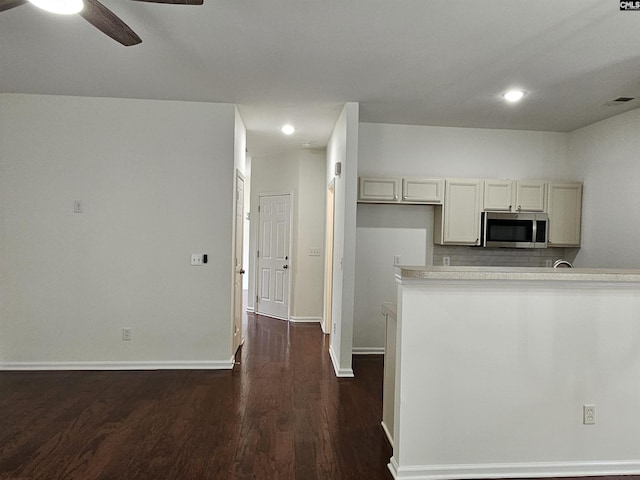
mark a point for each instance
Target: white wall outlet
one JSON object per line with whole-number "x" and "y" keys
{"x": 446, "y": 261}
{"x": 197, "y": 259}
{"x": 396, "y": 259}
{"x": 126, "y": 334}
{"x": 77, "y": 206}
{"x": 588, "y": 414}
{"x": 548, "y": 263}
{"x": 314, "y": 252}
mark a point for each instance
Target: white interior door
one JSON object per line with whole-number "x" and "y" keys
{"x": 238, "y": 336}
{"x": 273, "y": 256}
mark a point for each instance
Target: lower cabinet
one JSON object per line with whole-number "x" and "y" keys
{"x": 565, "y": 214}
{"x": 457, "y": 222}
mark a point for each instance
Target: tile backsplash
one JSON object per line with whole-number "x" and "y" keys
{"x": 500, "y": 257}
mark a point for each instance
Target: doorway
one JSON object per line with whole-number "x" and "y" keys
{"x": 328, "y": 269}
{"x": 273, "y": 261}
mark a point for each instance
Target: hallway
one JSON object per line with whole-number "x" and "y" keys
{"x": 280, "y": 414}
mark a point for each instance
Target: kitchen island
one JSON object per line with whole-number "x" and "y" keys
{"x": 493, "y": 368}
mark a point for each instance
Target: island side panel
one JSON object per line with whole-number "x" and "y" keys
{"x": 496, "y": 372}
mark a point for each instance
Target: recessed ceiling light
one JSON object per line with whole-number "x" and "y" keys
{"x": 513, "y": 95}
{"x": 306, "y": 144}
{"x": 63, "y": 7}
{"x": 288, "y": 129}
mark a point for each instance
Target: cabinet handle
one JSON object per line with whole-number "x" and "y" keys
{"x": 404, "y": 197}
{"x": 510, "y": 207}
{"x": 519, "y": 207}
{"x": 395, "y": 197}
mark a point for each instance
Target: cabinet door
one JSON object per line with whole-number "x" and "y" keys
{"x": 461, "y": 212}
{"x": 565, "y": 214}
{"x": 379, "y": 189}
{"x": 498, "y": 195}
{"x": 422, "y": 190}
{"x": 530, "y": 196}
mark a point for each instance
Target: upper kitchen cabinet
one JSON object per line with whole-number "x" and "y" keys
{"x": 418, "y": 190}
{"x": 457, "y": 222}
{"x": 422, "y": 190}
{"x": 565, "y": 214}
{"x": 379, "y": 190}
{"x": 514, "y": 196}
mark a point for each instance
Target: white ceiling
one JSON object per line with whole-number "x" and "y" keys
{"x": 428, "y": 62}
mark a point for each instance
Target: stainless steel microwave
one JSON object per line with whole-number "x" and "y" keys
{"x": 515, "y": 230}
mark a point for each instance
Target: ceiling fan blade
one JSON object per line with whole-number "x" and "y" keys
{"x": 7, "y": 4}
{"x": 108, "y": 23}
{"x": 175, "y": 2}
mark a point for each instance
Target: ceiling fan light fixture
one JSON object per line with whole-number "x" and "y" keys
{"x": 62, "y": 7}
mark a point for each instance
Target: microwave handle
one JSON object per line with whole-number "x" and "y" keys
{"x": 483, "y": 230}
{"x": 534, "y": 232}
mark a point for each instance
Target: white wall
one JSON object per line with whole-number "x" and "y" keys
{"x": 384, "y": 231}
{"x": 301, "y": 173}
{"x": 309, "y": 270}
{"x": 343, "y": 148}
{"x": 399, "y": 150}
{"x": 605, "y": 157}
{"x": 156, "y": 184}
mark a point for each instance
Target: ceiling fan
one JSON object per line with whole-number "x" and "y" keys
{"x": 102, "y": 18}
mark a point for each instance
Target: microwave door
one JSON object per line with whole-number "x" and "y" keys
{"x": 509, "y": 233}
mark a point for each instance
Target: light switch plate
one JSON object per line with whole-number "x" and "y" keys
{"x": 314, "y": 252}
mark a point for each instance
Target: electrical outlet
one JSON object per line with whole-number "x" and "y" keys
{"x": 446, "y": 261}
{"x": 396, "y": 259}
{"x": 197, "y": 259}
{"x": 588, "y": 414}
{"x": 314, "y": 252}
{"x": 77, "y": 206}
{"x": 126, "y": 334}
{"x": 334, "y": 328}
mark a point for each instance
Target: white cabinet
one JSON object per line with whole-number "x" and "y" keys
{"x": 418, "y": 190}
{"x": 422, "y": 190}
{"x": 565, "y": 214}
{"x": 379, "y": 190}
{"x": 514, "y": 196}
{"x": 457, "y": 222}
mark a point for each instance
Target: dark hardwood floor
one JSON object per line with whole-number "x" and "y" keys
{"x": 280, "y": 414}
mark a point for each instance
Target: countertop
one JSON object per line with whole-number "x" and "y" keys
{"x": 518, "y": 273}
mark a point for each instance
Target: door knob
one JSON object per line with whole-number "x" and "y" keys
{"x": 285, "y": 267}
{"x": 242, "y": 272}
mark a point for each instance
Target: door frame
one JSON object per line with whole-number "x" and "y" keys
{"x": 256, "y": 286}
{"x": 328, "y": 260}
{"x": 237, "y": 255}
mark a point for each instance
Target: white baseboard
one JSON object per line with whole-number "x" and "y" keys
{"x": 323, "y": 327}
{"x": 250, "y": 309}
{"x": 135, "y": 365}
{"x": 367, "y": 350}
{"x": 340, "y": 372}
{"x": 387, "y": 433}
{"x": 305, "y": 319}
{"x": 513, "y": 470}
